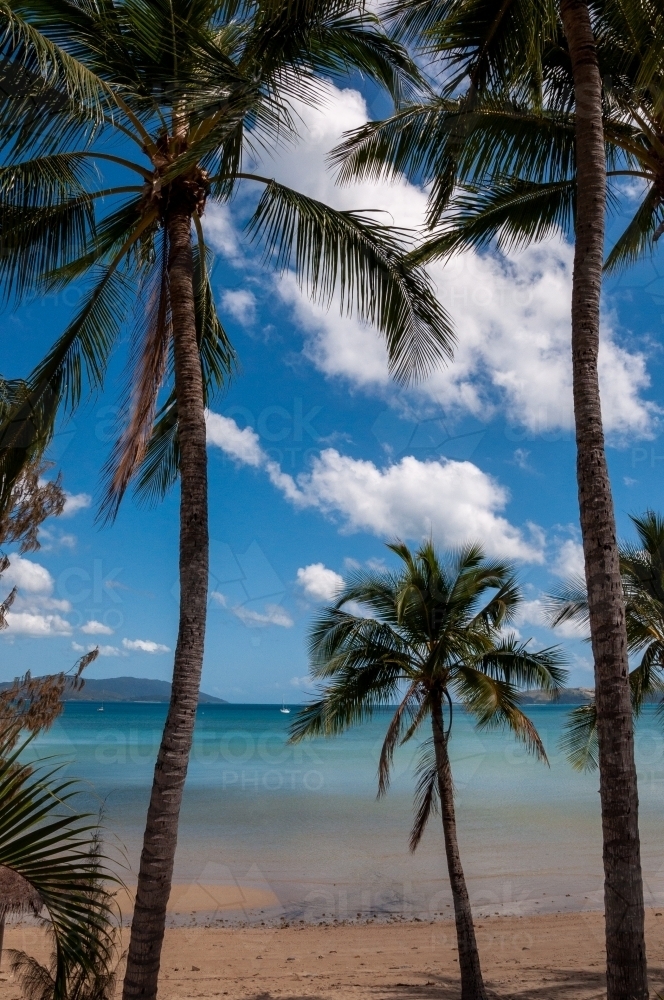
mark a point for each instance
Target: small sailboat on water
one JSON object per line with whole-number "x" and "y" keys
{"x": 283, "y": 709}
{"x": 101, "y": 708}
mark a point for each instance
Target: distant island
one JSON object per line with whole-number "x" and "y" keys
{"x": 128, "y": 689}
{"x": 568, "y": 696}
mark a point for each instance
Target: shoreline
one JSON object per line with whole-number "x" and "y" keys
{"x": 552, "y": 955}
{"x": 254, "y": 903}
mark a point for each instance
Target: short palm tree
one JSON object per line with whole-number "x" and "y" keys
{"x": 514, "y": 146}
{"x": 120, "y": 121}
{"x": 433, "y": 635}
{"x": 642, "y": 570}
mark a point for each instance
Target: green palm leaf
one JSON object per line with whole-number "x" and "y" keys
{"x": 434, "y": 631}
{"x": 47, "y": 843}
{"x": 348, "y": 251}
{"x": 639, "y": 236}
{"x": 513, "y": 215}
{"x": 579, "y": 739}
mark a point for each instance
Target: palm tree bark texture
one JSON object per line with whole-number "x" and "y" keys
{"x": 472, "y": 984}
{"x": 160, "y": 839}
{"x": 627, "y": 977}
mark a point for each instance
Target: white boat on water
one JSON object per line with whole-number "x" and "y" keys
{"x": 283, "y": 709}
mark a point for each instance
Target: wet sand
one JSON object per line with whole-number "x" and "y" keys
{"x": 547, "y": 957}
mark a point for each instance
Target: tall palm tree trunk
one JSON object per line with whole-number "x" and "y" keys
{"x": 160, "y": 839}
{"x": 627, "y": 977}
{"x": 472, "y": 984}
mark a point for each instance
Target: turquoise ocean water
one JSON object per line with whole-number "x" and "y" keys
{"x": 304, "y": 820}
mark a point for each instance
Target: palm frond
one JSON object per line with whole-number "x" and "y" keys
{"x": 51, "y": 70}
{"x": 83, "y": 349}
{"x": 394, "y": 735}
{"x": 365, "y": 262}
{"x": 328, "y": 37}
{"x": 37, "y": 240}
{"x": 513, "y": 214}
{"x": 497, "y": 47}
{"x": 161, "y": 464}
{"x": 516, "y": 664}
{"x": 579, "y": 739}
{"x": 640, "y": 235}
{"x": 412, "y": 143}
{"x": 646, "y": 680}
{"x": 337, "y": 635}
{"x": 50, "y": 849}
{"x": 495, "y": 705}
{"x": 218, "y": 357}
{"x": 151, "y": 342}
{"x": 568, "y": 604}
{"x": 427, "y": 794}
{"x": 351, "y": 698}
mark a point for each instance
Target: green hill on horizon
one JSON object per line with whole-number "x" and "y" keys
{"x": 128, "y": 689}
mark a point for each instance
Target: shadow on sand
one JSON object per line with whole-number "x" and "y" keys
{"x": 537, "y": 985}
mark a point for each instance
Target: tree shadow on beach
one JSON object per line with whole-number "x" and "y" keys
{"x": 561, "y": 984}
{"x": 558, "y": 985}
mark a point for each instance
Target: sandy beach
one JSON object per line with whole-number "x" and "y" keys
{"x": 548, "y": 957}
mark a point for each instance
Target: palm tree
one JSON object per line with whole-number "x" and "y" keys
{"x": 126, "y": 121}
{"x": 50, "y": 851}
{"x": 518, "y": 55}
{"x": 433, "y": 634}
{"x": 642, "y": 570}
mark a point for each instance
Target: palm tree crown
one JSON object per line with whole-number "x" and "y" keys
{"x": 126, "y": 113}
{"x": 436, "y": 629}
{"x": 500, "y": 158}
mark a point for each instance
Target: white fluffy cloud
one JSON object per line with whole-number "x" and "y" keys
{"x": 34, "y": 611}
{"x": 103, "y": 650}
{"x": 96, "y": 628}
{"x": 145, "y": 646}
{"x": 241, "y": 445}
{"x": 512, "y": 313}
{"x": 75, "y": 502}
{"x": 533, "y": 613}
{"x": 241, "y": 304}
{"x": 274, "y": 614}
{"x": 455, "y": 501}
{"x": 37, "y": 626}
{"x": 569, "y": 560}
{"x": 30, "y": 577}
{"x": 319, "y": 582}
{"x": 51, "y": 541}
{"x": 220, "y": 231}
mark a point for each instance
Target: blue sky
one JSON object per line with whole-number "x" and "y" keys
{"x": 316, "y": 458}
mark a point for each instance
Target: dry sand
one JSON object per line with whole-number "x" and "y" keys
{"x": 548, "y": 957}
